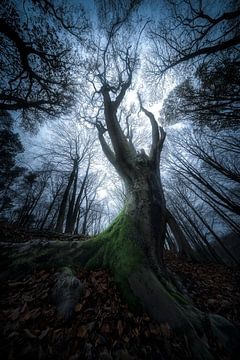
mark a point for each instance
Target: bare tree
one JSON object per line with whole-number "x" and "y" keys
{"x": 210, "y": 96}
{"x": 193, "y": 31}
{"x": 195, "y": 165}
{"x": 56, "y": 187}
{"x": 132, "y": 246}
{"x": 37, "y": 63}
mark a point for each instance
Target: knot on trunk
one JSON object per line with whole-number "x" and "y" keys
{"x": 142, "y": 158}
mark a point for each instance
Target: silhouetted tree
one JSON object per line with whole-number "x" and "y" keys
{"x": 10, "y": 147}
{"x": 209, "y": 97}
{"x": 193, "y": 31}
{"x": 37, "y": 62}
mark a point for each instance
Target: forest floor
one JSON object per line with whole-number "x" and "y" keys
{"x": 103, "y": 327}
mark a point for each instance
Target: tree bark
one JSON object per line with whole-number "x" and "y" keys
{"x": 68, "y": 228}
{"x": 133, "y": 245}
{"x": 184, "y": 247}
{"x": 49, "y": 210}
{"x": 146, "y": 208}
{"x": 123, "y": 249}
{"x": 76, "y": 208}
{"x": 63, "y": 205}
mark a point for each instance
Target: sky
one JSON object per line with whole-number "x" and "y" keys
{"x": 149, "y": 10}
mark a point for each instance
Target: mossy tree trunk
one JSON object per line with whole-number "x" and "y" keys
{"x": 133, "y": 246}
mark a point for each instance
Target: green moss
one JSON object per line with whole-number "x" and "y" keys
{"x": 119, "y": 253}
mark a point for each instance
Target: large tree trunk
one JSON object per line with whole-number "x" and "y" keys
{"x": 132, "y": 247}
{"x": 128, "y": 251}
{"x": 146, "y": 209}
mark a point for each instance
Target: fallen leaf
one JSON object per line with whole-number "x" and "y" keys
{"x": 24, "y": 308}
{"x": 43, "y": 333}
{"x": 78, "y": 307}
{"x": 105, "y": 328}
{"x": 82, "y": 331}
{"x": 165, "y": 329}
{"x": 29, "y": 334}
{"x": 120, "y": 327}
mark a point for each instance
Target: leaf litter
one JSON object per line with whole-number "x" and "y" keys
{"x": 103, "y": 326}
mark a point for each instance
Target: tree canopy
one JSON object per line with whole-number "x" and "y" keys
{"x": 97, "y": 69}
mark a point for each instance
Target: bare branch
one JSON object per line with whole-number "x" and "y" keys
{"x": 157, "y": 141}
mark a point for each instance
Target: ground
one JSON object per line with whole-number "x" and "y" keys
{"x": 103, "y": 326}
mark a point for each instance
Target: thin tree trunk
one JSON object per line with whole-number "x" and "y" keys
{"x": 75, "y": 210}
{"x": 33, "y": 205}
{"x": 210, "y": 249}
{"x": 212, "y": 232}
{"x": 184, "y": 247}
{"x": 63, "y": 205}
{"x": 49, "y": 210}
{"x": 171, "y": 244}
{"x": 68, "y": 228}
{"x": 51, "y": 225}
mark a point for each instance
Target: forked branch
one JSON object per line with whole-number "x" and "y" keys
{"x": 158, "y": 134}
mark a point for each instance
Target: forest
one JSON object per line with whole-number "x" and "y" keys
{"x": 119, "y": 179}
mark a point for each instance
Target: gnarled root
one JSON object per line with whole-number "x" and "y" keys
{"x": 17, "y": 257}
{"x": 168, "y": 306}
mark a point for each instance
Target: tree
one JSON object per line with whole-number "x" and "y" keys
{"x": 10, "y": 147}
{"x": 56, "y": 187}
{"x": 193, "y": 32}
{"x": 205, "y": 178}
{"x": 37, "y": 62}
{"x": 70, "y": 150}
{"x": 32, "y": 188}
{"x": 210, "y": 96}
{"x": 132, "y": 246}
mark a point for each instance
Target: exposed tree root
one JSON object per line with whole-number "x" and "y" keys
{"x": 117, "y": 250}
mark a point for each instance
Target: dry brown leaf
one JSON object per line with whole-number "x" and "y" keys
{"x": 105, "y": 328}
{"x": 126, "y": 339}
{"x": 154, "y": 329}
{"x": 87, "y": 293}
{"x": 24, "y": 308}
{"x": 165, "y": 330}
{"x": 78, "y": 307}
{"x": 82, "y": 331}
{"x": 120, "y": 327}
{"x": 135, "y": 331}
